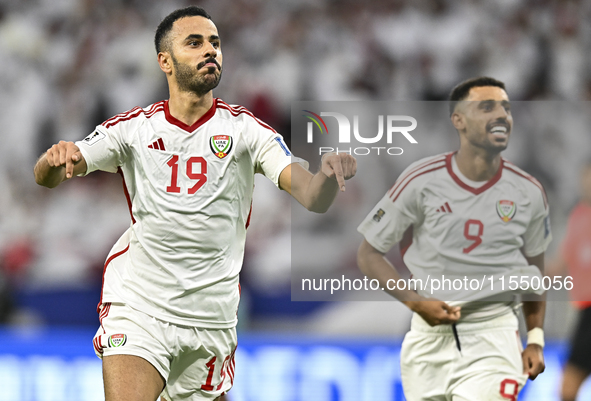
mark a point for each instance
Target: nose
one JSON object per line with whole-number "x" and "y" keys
{"x": 501, "y": 112}
{"x": 209, "y": 50}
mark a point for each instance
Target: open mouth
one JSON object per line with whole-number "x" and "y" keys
{"x": 499, "y": 131}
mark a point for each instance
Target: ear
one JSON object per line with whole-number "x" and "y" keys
{"x": 458, "y": 121}
{"x": 165, "y": 62}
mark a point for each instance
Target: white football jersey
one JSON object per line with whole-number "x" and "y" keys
{"x": 447, "y": 227}
{"x": 189, "y": 190}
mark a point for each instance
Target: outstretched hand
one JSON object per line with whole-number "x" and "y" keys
{"x": 340, "y": 167}
{"x": 64, "y": 154}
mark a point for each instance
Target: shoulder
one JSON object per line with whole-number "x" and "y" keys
{"x": 417, "y": 174}
{"x": 525, "y": 180}
{"x": 134, "y": 116}
{"x": 427, "y": 164}
{"x": 241, "y": 114}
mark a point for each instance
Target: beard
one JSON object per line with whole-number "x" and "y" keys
{"x": 492, "y": 147}
{"x": 189, "y": 79}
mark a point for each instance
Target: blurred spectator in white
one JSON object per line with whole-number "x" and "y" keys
{"x": 569, "y": 45}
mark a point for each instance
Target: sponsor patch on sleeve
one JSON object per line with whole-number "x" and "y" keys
{"x": 283, "y": 146}
{"x": 546, "y": 226}
{"x": 379, "y": 214}
{"x": 93, "y": 138}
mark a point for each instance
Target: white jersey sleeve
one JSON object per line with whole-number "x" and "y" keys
{"x": 105, "y": 149}
{"x": 400, "y": 208}
{"x": 537, "y": 236}
{"x": 269, "y": 153}
{"x": 272, "y": 155}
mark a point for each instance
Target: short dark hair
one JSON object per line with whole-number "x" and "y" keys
{"x": 461, "y": 90}
{"x": 166, "y": 25}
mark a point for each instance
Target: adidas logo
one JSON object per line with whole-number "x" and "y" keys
{"x": 159, "y": 145}
{"x": 445, "y": 208}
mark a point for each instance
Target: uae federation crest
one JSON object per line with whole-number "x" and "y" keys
{"x": 506, "y": 210}
{"x": 117, "y": 340}
{"x": 221, "y": 145}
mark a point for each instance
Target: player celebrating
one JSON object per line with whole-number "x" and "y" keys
{"x": 170, "y": 284}
{"x": 467, "y": 212}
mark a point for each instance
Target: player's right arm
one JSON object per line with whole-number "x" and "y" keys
{"x": 385, "y": 226}
{"x": 533, "y": 312}
{"x": 375, "y": 265}
{"x": 536, "y": 239}
{"x": 60, "y": 163}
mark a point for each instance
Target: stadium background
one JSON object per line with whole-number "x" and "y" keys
{"x": 70, "y": 64}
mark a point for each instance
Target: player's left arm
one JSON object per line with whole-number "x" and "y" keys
{"x": 533, "y": 311}
{"x": 317, "y": 192}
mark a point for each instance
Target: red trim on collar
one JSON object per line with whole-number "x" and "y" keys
{"x": 202, "y": 120}
{"x": 475, "y": 191}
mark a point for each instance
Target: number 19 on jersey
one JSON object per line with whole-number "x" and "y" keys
{"x": 195, "y": 169}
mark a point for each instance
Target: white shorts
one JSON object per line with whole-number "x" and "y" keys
{"x": 488, "y": 367}
{"x": 197, "y": 364}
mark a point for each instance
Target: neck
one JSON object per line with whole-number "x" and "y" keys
{"x": 188, "y": 107}
{"x": 478, "y": 165}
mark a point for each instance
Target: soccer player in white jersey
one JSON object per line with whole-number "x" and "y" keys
{"x": 170, "y": 284}
{"x": 468, "y": 213}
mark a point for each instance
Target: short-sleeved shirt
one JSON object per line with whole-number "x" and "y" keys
{"x": 576, "y": 251}
{"x": 189, "y": 190}
{"x": 446, "y": 226}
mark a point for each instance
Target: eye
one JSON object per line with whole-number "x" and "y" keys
{"x": 487, "y": 106}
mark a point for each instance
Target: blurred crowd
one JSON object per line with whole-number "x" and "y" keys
{"x": 68, "y": 65}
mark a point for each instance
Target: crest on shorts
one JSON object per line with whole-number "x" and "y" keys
{"x": 117, "y": 340}
{"x": 221, "y": 145}
{"x": 506, "y": 210}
